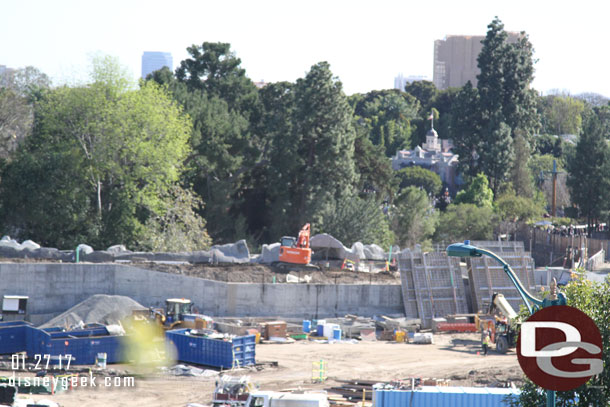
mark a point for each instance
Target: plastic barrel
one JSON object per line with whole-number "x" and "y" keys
{"x": 400, "y": 336}
{"x": 320, "y": 330}
{"x": 306, "y": 326}
{"x": 337, "y": 334}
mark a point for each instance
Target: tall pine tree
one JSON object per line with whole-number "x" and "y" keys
{"x": 505, "y": 106}
{"x": 323, "y": 128}
{"x": 589, "y": 171}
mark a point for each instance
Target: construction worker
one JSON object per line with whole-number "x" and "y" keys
{"x": 486, "y": 343}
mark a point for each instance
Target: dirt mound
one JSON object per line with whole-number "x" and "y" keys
{"x": 99, "y": 308}
{"x": 258, "y": 273}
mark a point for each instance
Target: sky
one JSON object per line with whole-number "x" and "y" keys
{"x": 367, "y": 43}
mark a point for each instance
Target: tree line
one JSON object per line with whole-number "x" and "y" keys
{"x": 200, "y": 155}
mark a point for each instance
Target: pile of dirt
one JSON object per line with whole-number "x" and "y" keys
{"x": 99, "y": 308}
{"x": 258, "y": 273}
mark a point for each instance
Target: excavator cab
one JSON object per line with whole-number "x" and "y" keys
{"x": 288, "y": 241}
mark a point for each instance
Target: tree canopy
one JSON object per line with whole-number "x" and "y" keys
{"x": 589, "y": 170}
{"x": 477, "y": 193}
{"x": 102, "y": 156}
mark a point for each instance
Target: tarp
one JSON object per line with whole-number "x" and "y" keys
{"x": 269, "y": 254}
{"x": 326, "y": 246}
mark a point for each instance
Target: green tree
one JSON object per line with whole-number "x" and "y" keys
{"x": 443, "y": 103}
{"x": 563, "y": 114}
{"x": 515, "y": 208}
{"x": 603, "y": 115}
{"x": 547, "y": 144}
{"x": 503, "y": 106}
{"x": 466, "y": 130}
{"x": 431, "y": 100}
{"x": 477, "y": 193}
{"x": 214, "y": 69}
{"x": 465, "y": 221}
{"x": 279, "y": 182}
{"x": 421, "y": 178}
{"x": 324, "y": 132}
{"x": 414, "y": 220}
{"x": 387, "y": 115}
{"x": 376, "y": 176}
{"x": 521, "y": 177}
{"x": 98, "y": 162}
{"x": 358, "y": 220}
{"x": 589, "y": 171}
{"x": 178, "y": 228}
{"x": 228, "y": 151}
{"x": 542, "y": 163}
{"x": 507, "y": 71}
{"x": 497, "y": 154}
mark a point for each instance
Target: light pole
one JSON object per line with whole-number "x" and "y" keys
{"x": 467, "y": 250}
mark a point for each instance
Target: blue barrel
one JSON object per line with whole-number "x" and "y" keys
{"x": 320, "y": 331}
{"x": 337, "y": 334}
{"x": 306, "y": 326}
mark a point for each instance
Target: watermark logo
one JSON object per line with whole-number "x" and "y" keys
{"x": 560, "y": 348}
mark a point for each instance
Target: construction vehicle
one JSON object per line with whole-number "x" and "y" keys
{"x": 178, "y": 313}
{"x": 501, "y": 321}
{"x": 232, "y": 391}
{"x": 296, "y": 251}
{"x": 278, "y": 399}
{"x": 14, "y": 308}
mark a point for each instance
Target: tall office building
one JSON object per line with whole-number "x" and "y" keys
{"x": 455, "y": 59}
{"x": 152, "y": 61}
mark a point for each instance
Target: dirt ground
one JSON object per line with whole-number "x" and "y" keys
{"x": 453, "y": 356}
{"x": 259, "y": 273}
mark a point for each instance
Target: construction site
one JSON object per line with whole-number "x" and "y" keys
{"x": 305, "y": 317}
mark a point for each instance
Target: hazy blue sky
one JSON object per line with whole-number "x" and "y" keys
{"x": 367, "y": 43}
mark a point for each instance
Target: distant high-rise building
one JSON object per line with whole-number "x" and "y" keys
{"x": 455, "y": 59}
{"x": 152, "y": 61}
{"x": 400, "y": 81}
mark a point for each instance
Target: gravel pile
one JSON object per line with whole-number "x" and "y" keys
{"x": 99, "y": 308}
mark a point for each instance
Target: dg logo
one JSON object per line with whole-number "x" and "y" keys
{"x": 560, "y": 348}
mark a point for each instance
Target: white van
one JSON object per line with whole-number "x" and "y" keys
{"x": 277, "y": 399}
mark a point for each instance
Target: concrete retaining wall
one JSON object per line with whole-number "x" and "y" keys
{"x": 55, "y": 287}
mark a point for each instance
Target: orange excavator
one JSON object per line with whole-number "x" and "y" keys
{"x": 296, "y": 251}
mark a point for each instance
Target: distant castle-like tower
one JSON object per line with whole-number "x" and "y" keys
{"x": 434, "y": 155}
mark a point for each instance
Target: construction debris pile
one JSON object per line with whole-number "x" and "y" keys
{"x": 97, "y": 309}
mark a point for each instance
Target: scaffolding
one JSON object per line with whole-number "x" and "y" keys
{"x": 432, "y": 285}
